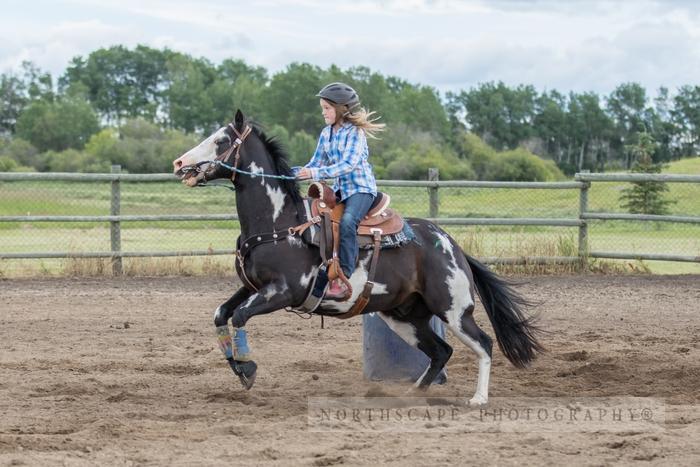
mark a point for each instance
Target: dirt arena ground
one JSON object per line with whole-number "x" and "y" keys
{"x": 127, "y": 372}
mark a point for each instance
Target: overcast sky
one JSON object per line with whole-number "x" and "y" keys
{"x": 577, "y": 45}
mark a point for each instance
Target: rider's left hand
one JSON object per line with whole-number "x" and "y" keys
{"x": 304, "y": 174}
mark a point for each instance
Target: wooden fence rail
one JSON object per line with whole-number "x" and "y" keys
{"x": 582, "y": 183}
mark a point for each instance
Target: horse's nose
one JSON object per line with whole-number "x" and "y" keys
{"x": 177, "y": 164}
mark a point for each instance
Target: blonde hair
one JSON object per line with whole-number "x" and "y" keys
{"x": 361, "y": 118}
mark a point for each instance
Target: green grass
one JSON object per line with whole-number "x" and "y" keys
{"x": 76, "y": 198}
{"x": 689, "y": 166}
{"x": 97, "y": 239}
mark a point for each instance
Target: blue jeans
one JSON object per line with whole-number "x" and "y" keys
{"x": 356, "y": 207}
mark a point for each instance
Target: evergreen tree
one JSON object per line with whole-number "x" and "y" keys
{"x": 645, "y": 197}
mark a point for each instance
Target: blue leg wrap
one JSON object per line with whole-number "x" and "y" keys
{"x": 241, "y": 352}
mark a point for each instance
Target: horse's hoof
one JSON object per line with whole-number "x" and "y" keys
{"x": 245, "y": 371}
{"x": 477, "y": 401}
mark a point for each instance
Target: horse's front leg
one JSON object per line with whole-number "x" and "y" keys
{"x": 243, "y": 306}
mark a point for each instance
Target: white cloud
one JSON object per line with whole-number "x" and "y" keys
{"x": 449, "y": 44}
{"x": 653, "y": 54}
{"x": 53, "y": 47}
{"x": 215, "y": 17}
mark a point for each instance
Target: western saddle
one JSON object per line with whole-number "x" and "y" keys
{"x": 326, "y": 213}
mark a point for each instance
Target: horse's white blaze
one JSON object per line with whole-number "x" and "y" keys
{"x": 458, "y": 287}
{"x": 217, "y": 313}
{"x": 406, "y": 331}
{"x": 305, "y": 279}
{"x": 276, "y": 196}
{"x": 357, "y": 280}
{"x": 204, "y": 151}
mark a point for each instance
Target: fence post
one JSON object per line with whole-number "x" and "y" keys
{"x": 583, "y": 226}
{"x": 115, "y": 233}
{"x": 433, "y": 176}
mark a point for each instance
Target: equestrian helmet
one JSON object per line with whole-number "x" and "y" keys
{"x": 339, "y": 93}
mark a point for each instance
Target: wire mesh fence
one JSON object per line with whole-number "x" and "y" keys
{"x": 67, "y": 198}
{"x": 508, "y": 241}
{"x": 47, "y": 215}
{"x": 681, "y": 237}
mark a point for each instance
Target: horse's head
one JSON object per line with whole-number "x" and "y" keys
{"x": 215, "y": 156}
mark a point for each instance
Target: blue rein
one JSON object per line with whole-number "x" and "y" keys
{"x": 240, "y": 171}
{"x": 253, "y": 174}
{"x": 235, "y": 146}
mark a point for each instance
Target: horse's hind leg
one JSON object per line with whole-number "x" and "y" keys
{"x": 465, "y": 328}
{"x": 418, "y": 333}
{"x": 435, "y": 348}
{"x": 448, "y": 293}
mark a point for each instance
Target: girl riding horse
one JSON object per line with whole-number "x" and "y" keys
{"x": 429, "y": 276}
{"x": 342, "y": 154}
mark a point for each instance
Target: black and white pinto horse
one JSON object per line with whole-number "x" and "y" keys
{"x": 429, "y": 276}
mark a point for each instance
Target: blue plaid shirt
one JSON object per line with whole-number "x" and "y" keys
{"x": 343, "y": 155}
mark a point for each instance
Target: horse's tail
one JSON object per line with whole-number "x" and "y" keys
{"x": 515, "y": 333}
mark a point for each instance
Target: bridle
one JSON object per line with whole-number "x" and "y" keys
{"x": 235, "y": 146}
{"x": 221, "y": 160}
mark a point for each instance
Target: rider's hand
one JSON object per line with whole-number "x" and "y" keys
{"x": 304, "y": 174}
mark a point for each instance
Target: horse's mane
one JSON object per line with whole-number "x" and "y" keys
{"x": 280, "y": 158}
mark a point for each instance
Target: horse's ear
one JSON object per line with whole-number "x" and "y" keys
{"x": 239, "y": 120}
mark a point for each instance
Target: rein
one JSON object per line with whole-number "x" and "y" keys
{"x": 219, "y": 161}
{"x": 235, "y": 170}
{"x": 253, "y": 174}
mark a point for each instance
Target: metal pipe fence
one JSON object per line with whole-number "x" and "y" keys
{"x": 58, "y": 215}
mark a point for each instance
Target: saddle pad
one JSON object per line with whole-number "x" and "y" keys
{"x": 394, "y": 240}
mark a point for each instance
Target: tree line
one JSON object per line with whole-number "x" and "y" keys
{"x": 142, "y": 107}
